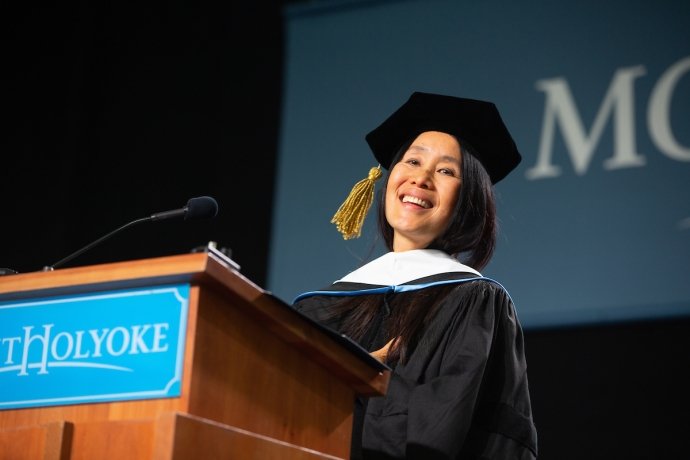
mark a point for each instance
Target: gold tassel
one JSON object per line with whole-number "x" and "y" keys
{"x": 350, "y": 216}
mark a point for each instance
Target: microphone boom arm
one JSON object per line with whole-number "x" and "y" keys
{"x": 202, "y": 207}
{"x": 48, "y": 268}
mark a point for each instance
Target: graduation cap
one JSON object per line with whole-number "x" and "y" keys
{"x": 472, "y": 121}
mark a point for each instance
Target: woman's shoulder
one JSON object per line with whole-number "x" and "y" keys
{"x": 460, "y": 283}
{"x": 472, "y": 296}
{"x": 487, "y": 286}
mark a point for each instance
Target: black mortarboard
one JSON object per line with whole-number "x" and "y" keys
{"x": 476, "y": 122}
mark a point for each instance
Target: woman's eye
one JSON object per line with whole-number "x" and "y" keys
{"x": 413, "y": 162}
{"x": 447, "y": 172}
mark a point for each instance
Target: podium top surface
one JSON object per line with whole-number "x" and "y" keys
{"x": 155, "y": 271}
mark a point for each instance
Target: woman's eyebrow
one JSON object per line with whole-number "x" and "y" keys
{"x": 450, "y": 159}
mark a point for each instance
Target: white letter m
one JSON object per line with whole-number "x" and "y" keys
{"x": 560, "y": 109}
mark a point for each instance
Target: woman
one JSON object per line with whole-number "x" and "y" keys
{"x": 458, "y": 385}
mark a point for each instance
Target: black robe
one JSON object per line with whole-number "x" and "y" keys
{"x": 462, "y": 393}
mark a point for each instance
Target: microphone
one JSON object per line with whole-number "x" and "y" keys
{"x": 203, "y": 207}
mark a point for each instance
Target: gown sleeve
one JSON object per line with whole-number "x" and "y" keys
{"x": 463, "y": 392}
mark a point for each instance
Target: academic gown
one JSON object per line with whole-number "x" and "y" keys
{"x": 463, "y": 391}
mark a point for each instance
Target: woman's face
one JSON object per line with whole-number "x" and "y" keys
{"x": 423, "y": 189}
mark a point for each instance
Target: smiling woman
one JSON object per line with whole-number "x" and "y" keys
{"x": 452, "y": 338}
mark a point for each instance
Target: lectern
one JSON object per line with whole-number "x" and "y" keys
{"x": 178, "y": 357}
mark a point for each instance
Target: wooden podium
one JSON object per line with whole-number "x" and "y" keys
{"x": 259, "y": 380}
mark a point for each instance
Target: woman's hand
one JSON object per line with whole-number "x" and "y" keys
{"x": 382, "y": 352}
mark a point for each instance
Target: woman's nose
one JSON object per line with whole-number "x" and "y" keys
{"x": 422, "y": 178}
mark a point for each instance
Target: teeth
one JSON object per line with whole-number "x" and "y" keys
{"x": 418, "y": 201}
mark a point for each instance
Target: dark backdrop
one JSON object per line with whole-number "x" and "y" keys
{"x": 113, "y": 112}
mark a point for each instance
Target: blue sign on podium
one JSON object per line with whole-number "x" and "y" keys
{"x": 95, "y": 347}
